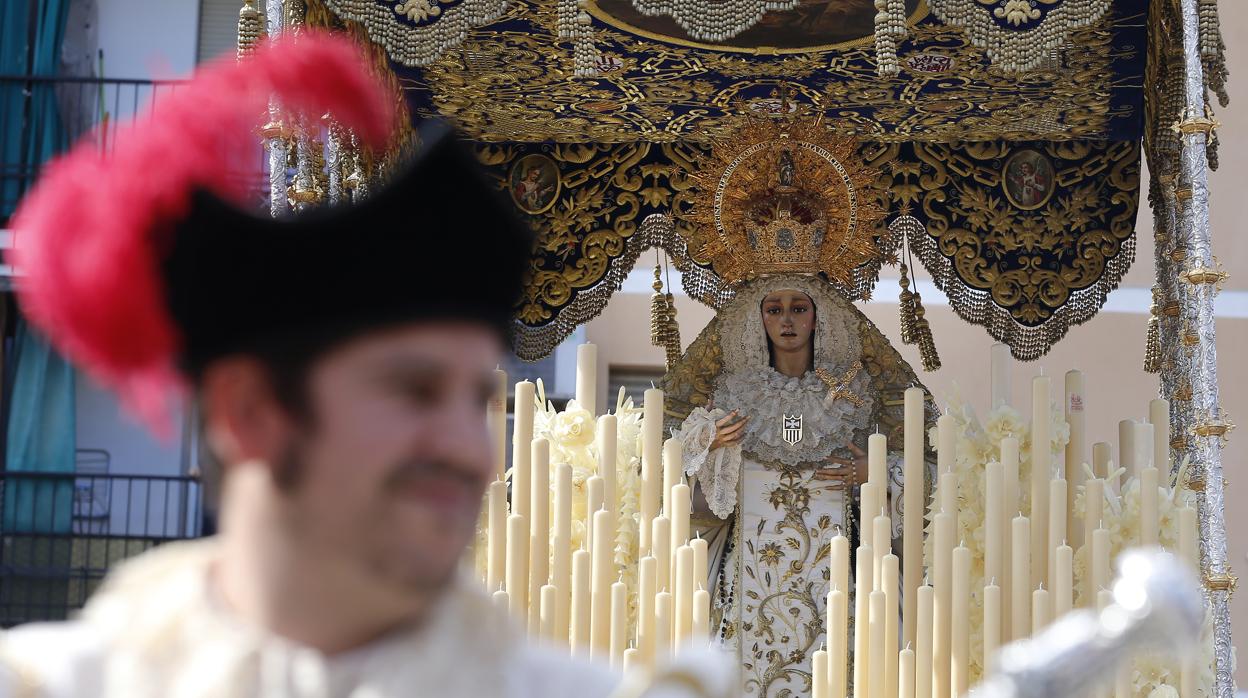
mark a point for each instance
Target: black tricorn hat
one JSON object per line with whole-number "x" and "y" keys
{"x": 437, "y": 243}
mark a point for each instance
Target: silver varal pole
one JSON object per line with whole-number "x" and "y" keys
{"x": 273, "y": 130}
{"x": 1198, "y": 359}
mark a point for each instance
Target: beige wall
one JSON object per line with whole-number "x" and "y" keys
{"x": 1109, "y": 349}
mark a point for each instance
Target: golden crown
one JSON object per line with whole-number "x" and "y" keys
{"x": 783, "y": 197}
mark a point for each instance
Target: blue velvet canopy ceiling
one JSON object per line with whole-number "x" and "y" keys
{"x": 1027, "y": 184}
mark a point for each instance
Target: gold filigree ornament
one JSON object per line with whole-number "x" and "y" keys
{"x": 784, "y": 197}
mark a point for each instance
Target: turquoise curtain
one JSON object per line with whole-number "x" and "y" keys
{"x": 41, "y": 438}
{"x": 30, "y": 127}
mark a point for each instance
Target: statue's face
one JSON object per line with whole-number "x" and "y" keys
{"x": 789, "y": 317}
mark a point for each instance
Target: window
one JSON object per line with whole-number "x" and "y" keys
{"x": 218, "y": 28}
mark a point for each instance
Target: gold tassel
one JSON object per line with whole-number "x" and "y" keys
{"x": 671, "y": 333}
{"x": 1152, "y": 344}
{"x": 923, "y": 334}
{"x": 907, "y": 309}
{"x": 658, "y": 309}
{"x": 250, "y": 28}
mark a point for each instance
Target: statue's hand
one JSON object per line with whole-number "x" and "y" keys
{"x": 858, "y": 462}
{"x": 728, "y": 432}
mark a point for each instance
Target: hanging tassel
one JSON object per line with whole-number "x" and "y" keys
{"x": 658, "y": 310}
{"x": 907, "y": 308}
{"x": 250, "y": 28}
{"x": 671, "y": 333}
{"x": 1152, "y": 343}
{"x": 923, "y": 333}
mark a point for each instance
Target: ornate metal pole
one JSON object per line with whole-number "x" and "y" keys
{"x": 274, "y": 131}
{"x": 1205, "y": 425}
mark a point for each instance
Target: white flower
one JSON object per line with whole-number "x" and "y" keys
{"x": 573, "y": 427}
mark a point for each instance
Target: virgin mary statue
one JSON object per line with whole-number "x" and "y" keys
{"x": 775, "y": 401}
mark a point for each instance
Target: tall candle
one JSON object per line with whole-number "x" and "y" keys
{"x": 905, "y": 662}
{"x": 646, "y": 590}
{"x": 587, "y": 377}
{"x": 942, "y": 632}
{"x": 1009, "y": 463}
{"x": 1122, "y": 678}
{"x": 683, "y": 595}
{"x": 1000, "y": 376}
{"x": 672, "y": 470}
{"x": 1100, "y": 559}
{"x": 502, "y": 601}
{"x": 881, "y": 544}
{"x": 1159, "y": 417}
{"x": 819, "y": 675}
{"x": 994, "y": 520}
{"x": 496, "y": 419}
{"x": 581, "y": 603}
{"x": 1020, "y": 602}
{"x": 1057, "y": 528}
{"x": 496, "y": 545}
{"x": 876, "y": 663}
{"x": 701, "y": 618}
{"x": 1063, "y": 581}
{"x": 947, "y": 489}
{"x": 1040, "y": 610}
{"x": 960, "y": 648}
{"x": 632, "y": 660}
{"x": 877, "y": 459}
{"x": 595, "y": 501}
{"x": 890, "y": 567}
{"x": 838, "y": 551}
{"x": 661, "y": 537}
{"x": 923, "y": 670}
{"x": 1189, "y": 553}
{"x": 700, "y": 570}
{"x": 1149, "y": 521}
{"x": 651, "y": 464}
{"x": 838, "y": 641}
{"x": 539, "y": 527}
{"x": 603, "y": 574}
{"x": 1101, "y": 457}
{"x": 547, "y": 612}
{"x": 946, "y": 443}
{"x": 662, "y": 626}
{"x": 913, "y": 471}
{"x": 1094, "y": 512}
{"x": 1126, "y": 446}
{"x": 1143, "y": 443}
{"x": 1076, "y": 420}
{"x": 518, "y": 567}
{"x": 561, "y": 557}
{"x": 522, "y": 448}
{"x": 619, "y": 624}
{"x": 869, "y": 508}
{"x": 681, "y": 508}
{"x": 992, "y": 626}
{"x": 1041, "y": 473}
{"x": 863, "y": 584}
{"x": 608, "y": 455}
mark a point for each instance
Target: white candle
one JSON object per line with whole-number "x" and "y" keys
{"x": 1142, "y": 441}
{"x": 819, "y": 675}
{"x": 946, "y": 443}
{"x": 619, "y": 624}
{"x": 1122, "y": 678}
{"x": 672, "y": 470}
{"x": 1020, "y": 603}
{"x": 1126, "y": 446}
{"x": 838, "y": 641}
{"x": 863, "y": 584}
{"x": 1100, "y": 559}
{"x": 1063, "y": 581}
{"x": 701, "y": 574}
{"x": 1041, "y": 473}
{"x": 646, "y": 589}
{"x": 913, "y": 509}
{"x": 547, "y": 612}
{"x": 960, "y": 647}
{"x": 942, "y": 631}
{"x": 522, "y": 448}
{"x": 1149, "y": 521}
{"x": 838, "y": 551}
{"x": 661, "y": 537}
{"x": 1040, "y": 610}
{"x": 947, "y": 488}
{"x": 632, "y": 660}
{"x": 496, "y": 545}
{"x": 1101, "y": 456}
{"x": 701, "y": 618}
{"x": 496, "y": 419}
{"x": 603, "y": 574}
{"x": 518, "y": 567}
{"x": 876, "y": 663}
{"x": 923, "y": 670}
{"x": 587, "y": 377}
{"x": 1000, "y": 378}
{"x": 651, "y": 464}
{"x": 502, "y": 601}
{"x": 683, "y": 596}
{"x": 992, "y": 626}
{"x": 539, "y": 527}
{"x": 681, "y": 509}
{"x": 662, "y": 627}
{"x": 595, "y": 501}
{"x": 561, "y": 558}
{"x": 881, "y": 544}
{"x": 1159, "y": 417}
{"x": 877, "y": 460}
{"x": 582, "y": 597}
{"x": 608, "y": 454}
{"x": 869, "y": 508}
{"x": 1009, "y": 463}
{"x": 890, "y": 567}
{"x": 1076, "y": 420}
{"x": 905, "y": 663}
{"x": 1057, "y": 528}
{"x": 994, "y": 520}
{"x": 1189, "y": 553}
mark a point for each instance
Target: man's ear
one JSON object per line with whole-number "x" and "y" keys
{"x": 243, "y": 420}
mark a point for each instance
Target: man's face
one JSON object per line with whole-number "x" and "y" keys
{"x": 388, "y": 477}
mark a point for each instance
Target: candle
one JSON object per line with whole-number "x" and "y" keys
{"x": 960, "y": 647}
{"x": 890, "y": 567}
{"x": 651, "y": 464}
{"x": 1189, "y": 553}
{"x": 683, "y": 595}
{"x": 547, "y": 612}
{"x": 561, "y": 558}
{"x": 1039, "y": 610}
{"x": 1122, "y": 678}
{"x": 838, "y": 642}
{"x": 517, "y": 577}
{"x": 1057, "y": 528}
{"x": 1159, "y": 417}
{"x": 1041, "y": 473}
{"x": 496, "y": 419}
{"x": 595, "y": 501}
{"x": 946, "y": 443}
{"x": 923, "y": 669}
{"x": 661, "y": 539}
{"x": 603, "y": 573}
{"x": 496, "y": 544}
{"x": 875, "y": 663}
{"x": 522, "y": 448}
{"x": 1126, "y": 446}
{"x": 871, "y": 501}
{"x": 1100, "y": 559}
{"x": 1063, "y": 581}
{"x": 1149, "y": 521}
{"x": 1101, "y": 452}
{"x": 681, "y": 507}
{"x": 587, "y": 377}
{"x": 994, "y": 520}
{"x": 700, "y": 571}
{"x": 1020, "y": 605}
{"x": 905, "y": 663}
{"x": 619, "y": 624}
{"x": 881, "y": 544}
{"x": 838, "y": 551}
{"x": 502, "y": 601}
{"x": 1009, "y": 463}
{"x": 672, "y": 470}
{"x": 646, "y": 590}
{"x": 947, "y": 489}
{"x": 701, "y": 618}
{"x": 913, "y": 471}
{"x": 863, "y": 584}
{"x": 539, "y": 527}
{"x": 1000, "y": 377}
{"x": 1094, "y": 512}
{"x": 942, "y": 573}
{"x": 1076, "y": 420}
{"x": 662, "y": 627}
{"x": 877, "y": 460}
{"x": 608, "y": 454}
{"x": 581, "y": 601}
{"x": 992, "y": 626}
{"x": 819, "y": 675}
{"x": 632, "y": 660}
